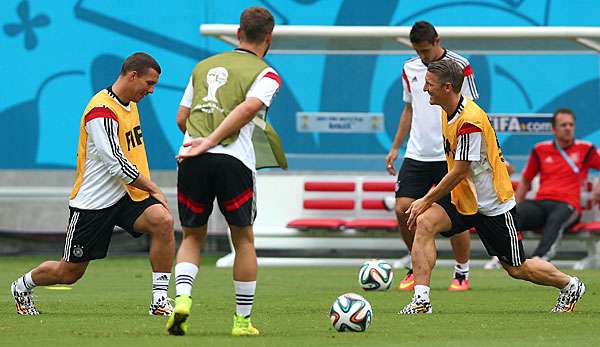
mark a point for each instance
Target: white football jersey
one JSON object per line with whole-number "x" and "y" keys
{"x": 425, "y": 141}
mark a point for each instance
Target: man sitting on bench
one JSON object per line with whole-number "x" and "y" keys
{"x": 563, "y": 165}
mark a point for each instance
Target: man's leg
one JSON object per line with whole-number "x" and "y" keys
{"x": 499, "y": 236}
{"x": 429, "y": 224}
{"x": 542, "y": 272}
{"x": 186, "y": 269}
{"x": 87, "y": 238}
{"x": 157, "y": 222}
{"x": 58, "y": 272}
{"x": 244, "y": 279}
{"x": 402, "y": 204}
{"x": 461, "y": 248}
{"x": 560, "y": 216}
{"x": 45, "y": 274}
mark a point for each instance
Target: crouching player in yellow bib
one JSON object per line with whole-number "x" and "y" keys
{"x": 481, "y": 196}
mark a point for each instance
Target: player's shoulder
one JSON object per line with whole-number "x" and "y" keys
{"x": 583, "y": 144}
{"x": 472, "y": 107}
{"x": 413, "y": 62}
{"x": 543, "y": 145}
{"x": 462, "y": 61}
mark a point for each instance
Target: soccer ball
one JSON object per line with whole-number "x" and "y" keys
{"x": 375, "y": 275}
{"x": 351, "y": 312}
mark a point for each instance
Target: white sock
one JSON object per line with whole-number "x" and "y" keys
{"x": 244, "y": 297}
{"x": 422, "y": 292}
{"x": 160, "y": 285}
{"x": 462, "y": 269}
{"x": 185, "y": 274}
{"x": 25, "y": 283}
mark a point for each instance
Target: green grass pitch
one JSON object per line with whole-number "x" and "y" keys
{"x": 108, "y": 307}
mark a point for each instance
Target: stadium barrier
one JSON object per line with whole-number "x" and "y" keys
{"x": 27, "y": 210}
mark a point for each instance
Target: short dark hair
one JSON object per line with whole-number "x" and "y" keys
{"x": 447, "y": 71}
{"x": 423, "y": 31}
{"x": 255, "y": 24}
{"x": 561, "y": 110}
{"x": 139, "y": 62}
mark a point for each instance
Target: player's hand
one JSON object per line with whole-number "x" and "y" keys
{"x": 160, "y": 196}
{"x": 415, "y": 209}
{"x": 389, "y": 161}
{"x": 196, "y": 147}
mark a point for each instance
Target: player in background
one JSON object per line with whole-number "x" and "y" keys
{"x": 223, "y": 115}
{"x": 481, "y": 197}
{"x": 113, "y": 188}
{"x": 424, "y": 163}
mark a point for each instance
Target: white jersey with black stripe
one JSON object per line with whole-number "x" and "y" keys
{"x": 425, "y": 141}
{"x": 106, "y": 171}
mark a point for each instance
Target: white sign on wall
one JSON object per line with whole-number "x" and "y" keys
{"x": 339, "y": 122}
{"x": 522, "y": 124}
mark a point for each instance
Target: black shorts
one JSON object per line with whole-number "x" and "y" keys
{"x": 417, "y": 177}
{"x": 497, "y": 233}
{"x": 89, "y": 231}
{"x": 200, "y": 179}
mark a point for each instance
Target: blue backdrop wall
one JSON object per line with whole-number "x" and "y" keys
{"x": 56, "y": 54}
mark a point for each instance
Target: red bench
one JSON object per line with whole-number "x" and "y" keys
{"x": 339, "y": 205}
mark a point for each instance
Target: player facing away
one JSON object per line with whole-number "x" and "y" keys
{"x": 481, "y": 197}
{"x": 113, "y": 188}
{"x": 223, "y": 115}
{"x": 424, "y": 163}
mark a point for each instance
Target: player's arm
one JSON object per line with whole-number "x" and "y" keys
{"x": 403, "y": 129}
{"x": 103, "y": 129}
{"x": 144, "y": 183}
{"x": 183, "y": 112}
{"x": 530, "y": 171}
{"x": 260, "y": 95}
{"x": 459, "y": 172}
{"x": 182, "y": 115}
{"x": 468, "y": 149}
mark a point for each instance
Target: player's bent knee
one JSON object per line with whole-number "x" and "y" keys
{"x": 162, "y": 223}
{"x": 70, "y": 274}
{"x": 401, "y": 209}
{"x": 425, "y": 226}
{"x": 518, "y": 272}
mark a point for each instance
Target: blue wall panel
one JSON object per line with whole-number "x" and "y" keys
{"x": 55, "y": 55}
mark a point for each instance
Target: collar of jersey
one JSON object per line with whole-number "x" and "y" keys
{"x": 112, "y": 94}
{"x": 459, "y": 108}
{"x": 244, "y": 51}
{"x": 438, "y": 59}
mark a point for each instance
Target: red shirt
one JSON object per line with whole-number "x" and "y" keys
{"x": 558, "y": 181}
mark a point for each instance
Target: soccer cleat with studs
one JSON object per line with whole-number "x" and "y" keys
{"x": 242, "y": 326}
{"x": 417, "y": 306}
{"x": 23, "y": 301}
{"x": 177, "y": 323}
{"x": 408, "y": 283}
{"x": 460, "y": 283}
{"x": 161, "y": 307}
{"x": 568, "y": 297}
